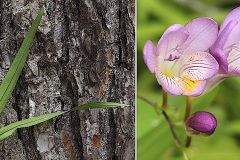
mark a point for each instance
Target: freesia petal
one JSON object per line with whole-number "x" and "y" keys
{"x": 172, "y": 85}
{"x": 234, "y": 62}
{"x": 234, "y": 71}
{"x": 234, "y": 56}
{"x": 214, "y": 81}
{"x": 199, "y": 66}
{"x": 234, "y": 35}
{"x": 194, "y": 88}
{"x": 219, "y": 55}
{"x": 172, "y": 28}
{"x": 149, "y": 56}
{"x": 233, "y": 15}
{"x": 223, "y": 36}
{"x": 218, "y": 51}
{"x": 168, "y": 46}
{"x": 202, "y": 35}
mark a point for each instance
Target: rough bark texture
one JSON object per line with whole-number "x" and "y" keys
{"x": 83, "y": 52}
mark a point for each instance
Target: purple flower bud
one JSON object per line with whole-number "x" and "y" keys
{"x": 201, "y": 123}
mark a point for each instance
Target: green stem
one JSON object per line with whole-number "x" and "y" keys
{"x": 157, "y": 108}
{"x": 188, "y": 141}
{"x": 160, "y": 110}
{"x": 187, "y": 114}
{"x": 171, "y": 125}
{"x": 188, "y": 108}
{"x": 164, "y": 98}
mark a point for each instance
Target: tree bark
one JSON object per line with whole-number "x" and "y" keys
{"x": 83, "y": 52}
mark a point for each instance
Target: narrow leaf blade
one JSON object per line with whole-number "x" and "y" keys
{"x": 15, "y": 70}
{"x": 11, "y": 128}
{"x": 97, "y": 105}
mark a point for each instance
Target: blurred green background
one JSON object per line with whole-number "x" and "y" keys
{"x": 154, "y": 139}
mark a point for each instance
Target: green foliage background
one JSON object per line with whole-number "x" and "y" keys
{"x": 154, "y": 139}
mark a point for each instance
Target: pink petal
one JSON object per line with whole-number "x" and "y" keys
{"x": 218, "y": 51}
{"x": 172, "y": 85}
{"x": 214, "y": 81}
{"x": 234, "y": 36}
{"x": 199, "y": 66}
{"x": 234, "y": 56}
{"x": 233, "y": 15}
{"x": 234, "y": 62}
{"x": 202, "y": 35}
{"x": 221, "y": 58}
{"x": 194, "y": 88}
{"x": 172, "y": 28}
{"x": 149, "y": 55}
{"x": 180, "y": 86}
{"x": 223, "y": 36}
{"x": 168, "y": 45}
{"x": 234, "y": 71}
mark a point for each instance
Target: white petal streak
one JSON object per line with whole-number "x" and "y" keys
{"x": 234, "y": 57}
{"x": 234, "y": 71}
{"x": 172, "y": 85}
{"x": 199, "y": 66}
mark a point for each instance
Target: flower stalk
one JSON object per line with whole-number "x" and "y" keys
{"x": 188, "y": 108}
{"x": 161, "y": 110}
{"x": 156, "y": 107}
{"x": 164, "y": 99}
{"x": 188, "y": 141}
{"x": 171, "y": 125}
{"x": 187, "y": 114}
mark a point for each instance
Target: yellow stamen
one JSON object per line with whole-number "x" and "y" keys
{"x": 190, "y": 85}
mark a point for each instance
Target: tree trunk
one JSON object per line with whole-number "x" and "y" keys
{"x": 83, "y": 52}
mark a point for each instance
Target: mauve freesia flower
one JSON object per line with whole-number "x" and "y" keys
{"x": 226, "y": 49}
{"x": 179, "y": 61}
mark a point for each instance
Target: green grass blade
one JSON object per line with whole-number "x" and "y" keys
{"x": 97, "y": 105}
{"x": 11, "y": 128}
{"x": 15, "y": 70}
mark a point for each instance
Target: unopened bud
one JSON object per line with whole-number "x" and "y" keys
{"x": 201, "y": 123}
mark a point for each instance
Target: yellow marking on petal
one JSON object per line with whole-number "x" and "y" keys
{"x": 168, "y": 74}
{"x": 190, "y": 85}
